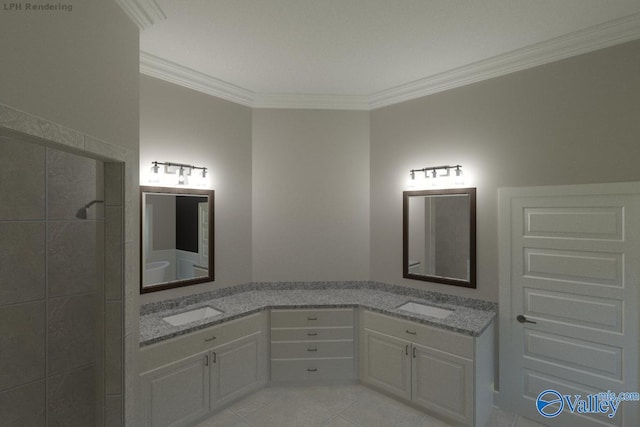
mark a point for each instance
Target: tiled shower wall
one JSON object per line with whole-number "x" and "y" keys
{"x": 60, "y": 308}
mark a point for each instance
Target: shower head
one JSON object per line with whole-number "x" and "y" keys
{"x": 82, "y": 212}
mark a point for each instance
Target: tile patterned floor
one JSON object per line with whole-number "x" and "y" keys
{"x": 333, "y": 406}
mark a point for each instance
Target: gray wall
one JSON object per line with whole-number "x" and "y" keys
{"x": 164, "y": 222}
{"x": 310, "y": 195}
{"x": 80, "y": 69}
{"x": 185, "y": 126}
{"x": 292, "y": 199}
{"x": 568, "y": 122}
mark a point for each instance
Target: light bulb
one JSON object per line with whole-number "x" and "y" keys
{"x": 154, "y": 175}
{"x": 459, "y": 179}
{"x": 202, "y": 180}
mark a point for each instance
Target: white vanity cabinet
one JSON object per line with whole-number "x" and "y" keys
{"x": 185, "y": 378}
{"x": 236, "y": 369}
{"x": 175, "y": 394}
{"x": 314, "y": 344}
{"x": 448, "y": 373}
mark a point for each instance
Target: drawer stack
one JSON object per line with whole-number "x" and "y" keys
{"x": 315, "y": 344}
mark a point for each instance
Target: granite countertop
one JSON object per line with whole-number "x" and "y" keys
{"x": 470, "y": 316}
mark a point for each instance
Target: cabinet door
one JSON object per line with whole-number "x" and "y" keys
{"x": 387, "y": 363}
{"x": 237, "y": 368}
{"x": 443, "y": 383}
{"x": 176, "y": 394}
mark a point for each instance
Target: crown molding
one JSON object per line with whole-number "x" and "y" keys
{"x": 155, "y": 66}
{"x": 311, "y": 101}
{"x": 172, "y": 72}
{"x": 583, "y": 41}
{"x": 144, "y": 13}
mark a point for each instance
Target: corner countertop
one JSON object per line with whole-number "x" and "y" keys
{"x": 470, "y": 316}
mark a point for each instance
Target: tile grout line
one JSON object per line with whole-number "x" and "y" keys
{"x": 46, "y": 284}
{"x": 339, "y": 413}
{"x": 356, "y": 400}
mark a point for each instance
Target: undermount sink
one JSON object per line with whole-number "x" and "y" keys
{"x": 426, "y": 310}
{"x": 192, "y": 316}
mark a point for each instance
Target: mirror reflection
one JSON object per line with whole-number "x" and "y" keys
{"x": 177, "y": 237}
{"x": 439, "y": 236}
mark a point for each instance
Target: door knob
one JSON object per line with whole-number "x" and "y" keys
{"x": 523, "y": 319}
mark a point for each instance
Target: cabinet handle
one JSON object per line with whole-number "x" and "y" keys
{"x": 214, "y": 357}
{"x": 312, "y": 369}
{"x": 206, "y": 360}
{"x": 209, "y": 339}
{"x": 312, "y": 334}
{"x": 312, "y": 349}
{"x": 523, "y": 319}
{"x": 410, "y": 332}
{"x": 312, "y": 318}
{"x": 406, "y": 350}
{"x": 414, "y": 352}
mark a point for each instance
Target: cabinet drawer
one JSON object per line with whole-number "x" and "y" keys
{"x": 177, "y": 348}
{"x": 311, "y": 318}
{"x": 450, "y": 342}
{"x": 312, "y": 334}
{"x": 302, "y": 350}
{"x": 312, "y": 369}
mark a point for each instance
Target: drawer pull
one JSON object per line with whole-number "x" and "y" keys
{"x": 312, "y": 349}
{"x": 312, "y": 334}
{"x": 312, "y": 318}
{"x": 410, "y": 332}
{"x": 209, "y": 339}
{"x": 312, "y": 369}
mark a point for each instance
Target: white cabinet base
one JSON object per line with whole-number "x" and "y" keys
{"x": 229, "y": 362}
{"x": 312, "y": 345}
{"x": 448, "y": 374}
{"x": 237, "y": 369}
{"x": 176, "y": 394}
{"x": 443, "y": 383}
{"x": 386, "y": 363}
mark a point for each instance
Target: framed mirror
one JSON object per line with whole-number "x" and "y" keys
{"x": 176, "y": 229}
{"x": 439, "y": 236}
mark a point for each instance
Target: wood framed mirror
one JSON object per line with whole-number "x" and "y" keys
{"x": 439, "y": 236}
{"x": 177, "y": 237}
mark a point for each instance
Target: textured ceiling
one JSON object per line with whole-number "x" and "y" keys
{"x": 361, "y": 48}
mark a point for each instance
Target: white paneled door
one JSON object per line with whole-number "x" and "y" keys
{"x": 569, "y": 278}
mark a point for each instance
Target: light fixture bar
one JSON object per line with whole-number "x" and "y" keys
{"x": 182, "y": 169}
{"x": 431, "y": 172}
{"x": 178, "y": 165}
{"x": 446, "y": 168}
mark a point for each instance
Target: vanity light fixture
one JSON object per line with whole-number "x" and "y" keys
{"x": 431, "y": 173}
{"x": 181, "y": 169}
